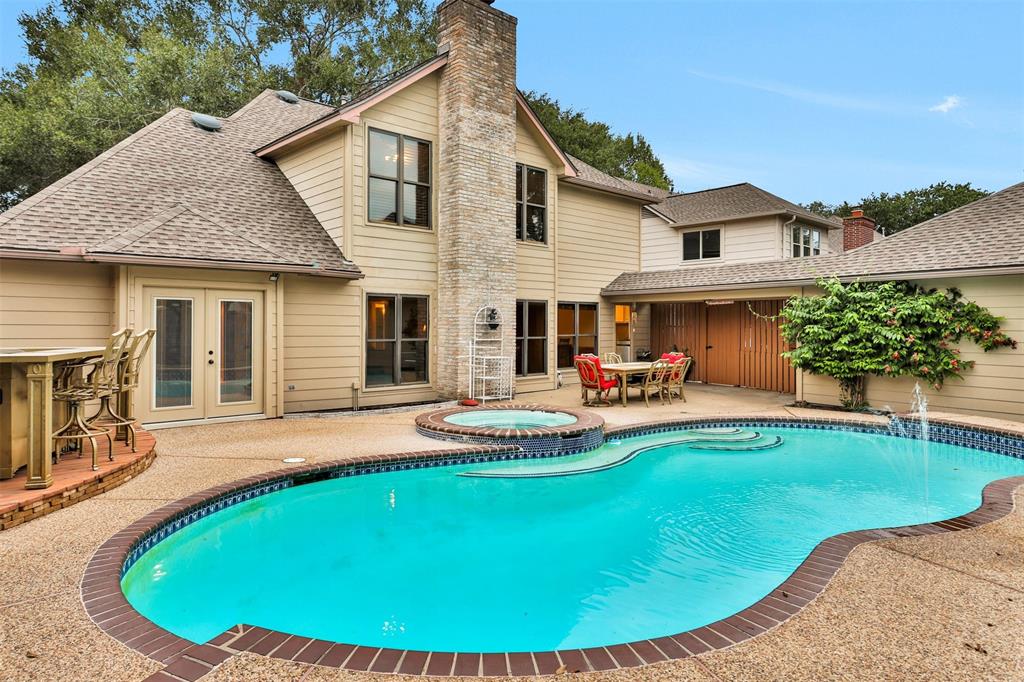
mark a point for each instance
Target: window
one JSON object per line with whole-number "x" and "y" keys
{"x": 531, "y": 337}
{"x": 623, "y": 318}
{"x": 397, "y": 328}
{"x": 531, "y": 202}
{"x": 399, "y": 183}
{"x": 702, "y": 244}
{"x": 806, "y": 241}
{"x": 577, "y": 331}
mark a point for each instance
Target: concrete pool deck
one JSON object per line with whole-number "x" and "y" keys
{"x": 946, "y": 606}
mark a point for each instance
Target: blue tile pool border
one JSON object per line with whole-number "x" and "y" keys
{"x": 107, "y": 607}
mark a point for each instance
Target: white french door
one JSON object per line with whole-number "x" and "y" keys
{"x": 207, "y": 357}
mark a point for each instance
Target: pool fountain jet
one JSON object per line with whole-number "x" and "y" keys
{"x": 914, "y": 427}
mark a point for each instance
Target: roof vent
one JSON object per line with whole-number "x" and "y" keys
{"x": 206, "y": 122}
{"x": 289, "y": 97}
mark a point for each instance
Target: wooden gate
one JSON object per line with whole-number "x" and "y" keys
{"x": 760, "y": 363}
{"x": 747, "y": 342}
{"x": 723, "y": 345}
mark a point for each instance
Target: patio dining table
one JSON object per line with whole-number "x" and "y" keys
{"x": 26, "y": 409}
{"x": 622, "y": 371}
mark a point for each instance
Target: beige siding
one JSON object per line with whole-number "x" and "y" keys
{"x": 994, "y": 388}
{"x": 49, "y": 303}
{"x": 395, "y": 260}
{"x": 321, "y": 343}
{"x": 535, "y": 263}
{"x": 598, "y": 239}
{"x": 757, "y": 239}
{"x": 317, "y": 173}
{"x": 661, "y": 248}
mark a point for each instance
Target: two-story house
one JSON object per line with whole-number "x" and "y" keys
{"x": 297, "y": 257}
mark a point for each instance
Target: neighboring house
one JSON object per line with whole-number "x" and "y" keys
{"x": 722, "y": 313}
{"x": 299, "y": 257}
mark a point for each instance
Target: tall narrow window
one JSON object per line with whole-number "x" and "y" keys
{"x": 531, "y": 204}
{"x": 531, "y": 337}
{"x": 806, "y": 241}
{"x": 577, "y": 331}
{"x": 173, "y": 366}
{"x": 398, "y": 191}
{"x": 397, "y": 329}
{"x": 702, "y": 244}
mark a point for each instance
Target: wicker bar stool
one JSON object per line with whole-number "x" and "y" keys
{"x": 77, "y": 383}
{"x": 128, "y": 370}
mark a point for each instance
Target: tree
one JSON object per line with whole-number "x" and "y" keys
{"x": 895, "y": 212}
{"x": 884, "y": 329}
{"x": 627, "y": 156}
{"x": 102, "y": 69}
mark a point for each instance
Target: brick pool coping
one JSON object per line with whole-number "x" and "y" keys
{"x": 435, "y": 422}
{"x": 109, "y": 609}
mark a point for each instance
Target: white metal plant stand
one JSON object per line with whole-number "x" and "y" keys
{"x": 490, "y": 369}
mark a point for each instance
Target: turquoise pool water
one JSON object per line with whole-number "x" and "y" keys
{"x": 510, "y": 419}
{"x": 426, "y": 559}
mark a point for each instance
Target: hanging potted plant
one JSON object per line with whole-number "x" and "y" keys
{"x": 493, "y": 321}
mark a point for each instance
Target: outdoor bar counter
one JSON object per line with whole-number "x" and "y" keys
{"x": 26, "y": 409}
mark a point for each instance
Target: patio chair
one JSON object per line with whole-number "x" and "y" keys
{"x": 675, "y": 376}
{"x": 592, "y": 378}
{"x": 127, "y": 382}
{"x": 78, "y": 383}
{"x": 654, "y": 381}
{"x": 611, "y": 358}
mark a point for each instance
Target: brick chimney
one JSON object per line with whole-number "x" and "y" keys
{"x": 476, "y": 176}
{"x": 858, "y": 230}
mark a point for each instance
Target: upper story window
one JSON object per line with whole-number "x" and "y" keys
{"x": 399, "y": 182}
{"x": 531, "y": 204}
{"x": 806, "y": 241}
{"x": 702, "y": 244}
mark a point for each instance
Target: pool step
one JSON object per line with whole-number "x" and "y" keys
{"x": 722, "y": 440}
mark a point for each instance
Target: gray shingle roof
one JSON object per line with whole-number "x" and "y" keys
{"x": 593, "y": 176}
{"x": 174, "y": 192}
{"x": 734, "y": 202}
{"x": 986, "y": 235}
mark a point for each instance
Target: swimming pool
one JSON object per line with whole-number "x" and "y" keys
{"x": 428, "y": 559}
{"x": 510, "y": 419}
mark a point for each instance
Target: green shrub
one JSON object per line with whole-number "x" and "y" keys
{"x": 885, "y": 329}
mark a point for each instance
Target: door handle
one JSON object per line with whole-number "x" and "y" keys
{"x": 708, "y": 347}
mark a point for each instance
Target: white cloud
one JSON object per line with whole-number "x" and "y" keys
{"x": 947, "y": 105}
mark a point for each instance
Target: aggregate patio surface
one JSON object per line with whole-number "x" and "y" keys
{"x": 940, "y": 607}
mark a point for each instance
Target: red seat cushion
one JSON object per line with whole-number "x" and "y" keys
{"x": 673, "y": 357}
{"x": 600, "y": 381}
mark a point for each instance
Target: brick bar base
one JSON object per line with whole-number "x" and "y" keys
{"x": 74, "y": 481}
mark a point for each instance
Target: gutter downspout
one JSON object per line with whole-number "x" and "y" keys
{"x": 784, "y": 226}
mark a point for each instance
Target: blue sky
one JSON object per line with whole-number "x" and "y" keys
{"x": 822, "y": 100}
